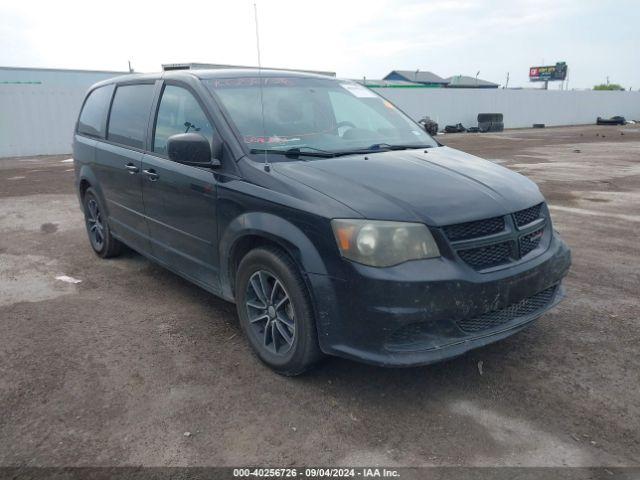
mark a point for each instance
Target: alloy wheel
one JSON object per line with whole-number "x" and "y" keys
{"x": 270, "y": 312}
{"x": 95, "y": 225}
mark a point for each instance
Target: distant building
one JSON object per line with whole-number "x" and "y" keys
{"x": 200, "y": 66}
{"x": 430, "y": 79}
{"x": 462, "y": 81}
{"x": 416, "y": 76}
{"x": 39, "y": 108}
{"x": 388, "y": 83}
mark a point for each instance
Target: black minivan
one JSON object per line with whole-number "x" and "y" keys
{"x": 330, "y": 218}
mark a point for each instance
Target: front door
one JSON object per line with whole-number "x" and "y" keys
{"x": 180, "y": 200}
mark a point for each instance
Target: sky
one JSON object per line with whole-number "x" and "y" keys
{"x": 356, "y": 39}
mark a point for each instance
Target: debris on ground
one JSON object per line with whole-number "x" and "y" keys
{"x": 429, "y": 125}
{"x": 457, "y": 128}
{"x": 490, "y": 122}
{"x": 480, "y": 363}
{"x": 616, "y": 120}
{"x": 66, "y": 278}
{"x": 187, "y": 434}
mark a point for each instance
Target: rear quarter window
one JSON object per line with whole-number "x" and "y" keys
{"x": 130, "y": 115}
{"x": 94, "y": 112}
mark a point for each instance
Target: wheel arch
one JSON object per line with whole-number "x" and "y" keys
{"x": 86, "y": 179}
{"x": 252, "y": 230}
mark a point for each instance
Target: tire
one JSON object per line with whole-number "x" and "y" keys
{"x": 490, "y": 117}
{"x": 100, "y": 238}
{"x": 281, "y": 332}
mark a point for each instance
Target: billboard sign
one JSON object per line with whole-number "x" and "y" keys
{"x": 548, "y": 73}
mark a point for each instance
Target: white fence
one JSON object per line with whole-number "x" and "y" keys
{"x": 521, "y": 108}
{"x": 39, "y": 107}
{"x": 38, "y": 119}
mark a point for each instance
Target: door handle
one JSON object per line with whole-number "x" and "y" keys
{"x": 132, "y": 168}
{"x": 151, "y": 174}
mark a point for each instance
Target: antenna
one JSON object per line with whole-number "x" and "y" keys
{"x": 267, "y": 167}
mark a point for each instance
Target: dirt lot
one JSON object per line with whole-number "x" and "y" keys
{"x": 115, "y": 369}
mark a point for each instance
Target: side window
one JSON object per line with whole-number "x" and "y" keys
{"x": 130, "y": 114}
{"x": 179, "y": 112}
{"x": 94, "y": 111}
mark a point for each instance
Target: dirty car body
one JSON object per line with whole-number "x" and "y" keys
{"x": 410, "y": 252}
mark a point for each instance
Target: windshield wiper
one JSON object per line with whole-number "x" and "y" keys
{"x": 378, "y": 148}
{"x": 296, "y": 152}
{"x": 388, "y": 146}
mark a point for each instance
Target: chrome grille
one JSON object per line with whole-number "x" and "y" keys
{"x": 528, "y": 215}
{"x": 530, "y": 241}
{"x": 492, "y": 242}
{"x": 479, "y": 228}
{"x": 487, "y": 256}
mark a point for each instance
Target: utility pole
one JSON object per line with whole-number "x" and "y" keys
{"x": 477, "y": 73}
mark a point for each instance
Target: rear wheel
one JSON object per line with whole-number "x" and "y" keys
{"x": 102, "y": 242}
{"x": 275, "y": 311}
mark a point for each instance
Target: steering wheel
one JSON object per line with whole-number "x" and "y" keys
{"x": 345, "y": 123}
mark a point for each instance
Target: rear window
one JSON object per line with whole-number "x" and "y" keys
{"x": 94, "y": 112}
{"x": 130, "y": 115}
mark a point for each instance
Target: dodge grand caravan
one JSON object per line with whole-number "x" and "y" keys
{"x": 330, "y": 218}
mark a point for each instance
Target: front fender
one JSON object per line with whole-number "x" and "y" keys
{"x": 275, "y": 229}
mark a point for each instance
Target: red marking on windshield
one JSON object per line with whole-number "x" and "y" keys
{"x": 273, "y": 139}
{"x": 253, "y": 81}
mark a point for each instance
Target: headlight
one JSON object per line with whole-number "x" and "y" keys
{"x": 383, "y": 244}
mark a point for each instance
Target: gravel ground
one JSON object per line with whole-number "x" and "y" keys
{"x": 115, "y": 369}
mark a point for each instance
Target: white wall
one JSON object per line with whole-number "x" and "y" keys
{"x": 36, "y": 120}
{"x": 521, "y": 108}
{"x": 39, "y": 107}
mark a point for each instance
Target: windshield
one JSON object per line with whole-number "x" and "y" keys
{"x": 314, "y": 114}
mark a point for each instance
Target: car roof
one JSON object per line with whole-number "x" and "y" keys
{"x": 205, "y": 74}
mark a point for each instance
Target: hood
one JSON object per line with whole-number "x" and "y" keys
{"x": 440, "y": 187}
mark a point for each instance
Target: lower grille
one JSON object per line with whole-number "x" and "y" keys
{"x": 487, "y": 256}
{"x": 412, "y": 335}
{"x": 416, "y": 335}
{"x": 495, "y": 318}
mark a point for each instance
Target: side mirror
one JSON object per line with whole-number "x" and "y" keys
{"x": 193, "y": 149}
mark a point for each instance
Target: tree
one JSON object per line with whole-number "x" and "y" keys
{"x": 608, "y": 86}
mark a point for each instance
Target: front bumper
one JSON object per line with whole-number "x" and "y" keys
{"x": 426, "y": 311}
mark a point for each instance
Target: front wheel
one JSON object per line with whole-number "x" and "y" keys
{"x": 275, "y": 311}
